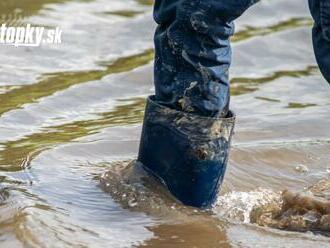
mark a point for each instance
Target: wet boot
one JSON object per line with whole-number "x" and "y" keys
{"x": 188, "y": 125}
{"x": 186, "y": 152}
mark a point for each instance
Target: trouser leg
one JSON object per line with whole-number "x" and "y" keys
{"x": 320, "y": 10}
{"x": 193, "y": 53}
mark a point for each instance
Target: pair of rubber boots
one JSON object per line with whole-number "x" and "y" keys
{"x": 186, "y": 152}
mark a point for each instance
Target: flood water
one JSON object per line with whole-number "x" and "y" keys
{"x": 71, "y": 112}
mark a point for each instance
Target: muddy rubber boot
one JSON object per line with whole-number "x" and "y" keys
{"x": 186, "y": 152}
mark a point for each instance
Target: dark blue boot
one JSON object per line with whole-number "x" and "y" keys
{"x": 186, "y": 152}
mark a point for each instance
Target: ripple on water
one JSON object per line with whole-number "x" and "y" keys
{"x": 64, "y": 206}
{"x": 308, "y": 210}
{"x": 130, "y": 185}
{"x": 237, "y": 206}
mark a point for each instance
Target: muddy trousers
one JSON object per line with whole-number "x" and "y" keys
{"x": 188, "y": 126}
{"x": 320, "y": 10}
{"x": 193, "y": 51}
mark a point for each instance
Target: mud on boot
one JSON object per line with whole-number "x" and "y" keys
{"x": 186, "y": 152}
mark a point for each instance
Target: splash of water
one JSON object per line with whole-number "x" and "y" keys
{"x": 133, "y": 188}
{"x": 301, "y": 211}
{"x": 237, "y": 206}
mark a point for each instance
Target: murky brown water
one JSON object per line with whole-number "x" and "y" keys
{"x": 297, "y": 211}
{"x": 72, "y": 112}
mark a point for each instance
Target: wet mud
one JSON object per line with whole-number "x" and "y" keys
{"x": 133, "y": 188}
{"x": 307, "y": 210}
{"x": 301, "y": 211}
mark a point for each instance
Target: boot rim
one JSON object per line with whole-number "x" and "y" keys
{"x": 231, "y": 116}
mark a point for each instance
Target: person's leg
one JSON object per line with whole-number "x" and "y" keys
{"x": 193, "y": 53}
{"x": 320, "y": 10}
{"x": 188, "y": 125}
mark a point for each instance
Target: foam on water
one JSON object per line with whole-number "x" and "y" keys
{"x": 130, "y": 186}
{"x": 306, "y": 210}
{"x": 237, "y": 206}
{"x": 134, "y": 189}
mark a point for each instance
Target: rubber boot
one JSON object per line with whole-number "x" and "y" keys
{"x": 188, "y": 153}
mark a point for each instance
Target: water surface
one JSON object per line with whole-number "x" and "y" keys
{"x": 70, "y": 113}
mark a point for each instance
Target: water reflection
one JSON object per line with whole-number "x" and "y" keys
{"x": 26, "y": 8}
{"x": 250, "y": 32}
{"x": 52, "y": 83}
{"x": 21, "y": 152}
{"x": 241, "y": 85}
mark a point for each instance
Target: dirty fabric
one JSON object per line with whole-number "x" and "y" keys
{"x": 320, "y": 10}
{"x": 193, "y": 53}
{"x": 195, "y": 128}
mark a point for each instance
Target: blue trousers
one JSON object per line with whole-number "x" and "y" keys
{"x": 320, "y": 10}
{"x": 193, "y": 53}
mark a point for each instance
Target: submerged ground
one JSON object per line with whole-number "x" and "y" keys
{"x": 72, "y": 112}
